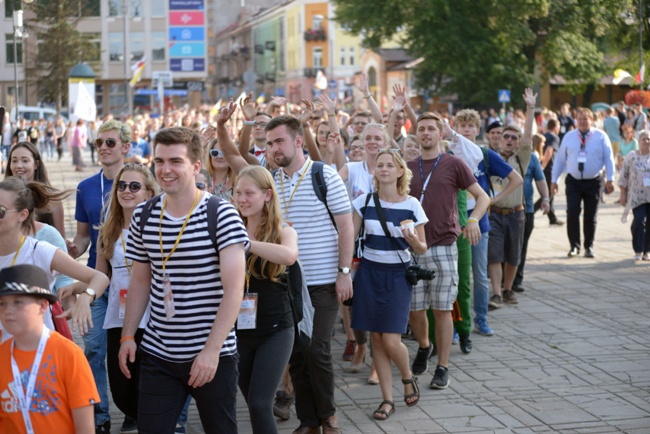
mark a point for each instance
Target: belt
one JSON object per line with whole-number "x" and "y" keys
{"x": 506, "y": 211}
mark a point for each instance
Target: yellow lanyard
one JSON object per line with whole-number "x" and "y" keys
{"x": 286, "y": 205}
{"x": 20, "y": 246}
{"x": 126, "y": 261}
{"x": 178, "y": 238}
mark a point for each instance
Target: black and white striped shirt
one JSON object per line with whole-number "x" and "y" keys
{"x": 195, "y": 277}
{"x": 317, "y": 237}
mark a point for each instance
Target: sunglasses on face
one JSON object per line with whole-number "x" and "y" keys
{"x": 200, "y": 186}
{"x": 510, "y": 137}
{"x": 134, "y": 186}
{"x": 110, "y": 143}
{"x": 4, "y": 211}
{"x": 215, "y": 153}
{"x": 260, "y": 124}
{"x": 360, "y": 124}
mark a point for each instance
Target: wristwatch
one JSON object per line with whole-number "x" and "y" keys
{"x": 344, "y": 270}
{"x": 91, "y": 292}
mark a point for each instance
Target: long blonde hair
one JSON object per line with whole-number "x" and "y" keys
{"x": 110, "y": 230}
{"x": 270, "y": 227}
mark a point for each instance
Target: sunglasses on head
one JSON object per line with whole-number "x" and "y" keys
{"x": 110, "y": 143}
{"x": 510, "y": 136}
{"x": 215, "y": 153}
{"x": 134, "y": 186}
{"x": 4, "y": 211}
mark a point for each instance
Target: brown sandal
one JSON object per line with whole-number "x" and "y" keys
{"x": 413, "y": 381}
{"x": 383, "y": 414}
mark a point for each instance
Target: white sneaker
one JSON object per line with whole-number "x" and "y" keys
{"x": 637, "y": 257}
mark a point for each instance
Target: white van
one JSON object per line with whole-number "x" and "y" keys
{"x": 32, "y": 112}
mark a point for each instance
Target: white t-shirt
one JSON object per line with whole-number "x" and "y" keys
{"x": 117, "y": 293}
{"x": 359, "y": 180}
{"x": 33, "y": 252}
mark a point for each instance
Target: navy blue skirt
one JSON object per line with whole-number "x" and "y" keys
{"x": 382, "y": 298}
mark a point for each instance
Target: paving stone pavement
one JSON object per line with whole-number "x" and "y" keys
{"x": 572, "y": 357}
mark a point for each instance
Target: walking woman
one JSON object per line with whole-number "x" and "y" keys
{"x": 265, "y": 345}
{"x": 223, "y": 177}
{"x": 18, "y": 200}
{"x": 133, "y": 185}
{"x": 382, "y": 295}
{"x": 635, "y": 195}
{"x": 78, "y": 144}
{"x": 27, "y": 163}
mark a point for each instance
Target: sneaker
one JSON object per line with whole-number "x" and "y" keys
{"x": 104, "y": 428}
{"x": 129, "y": 426}
{"x": 440, "y": 379}
{"x": 482, "y": 328}
{"x": 180, "y": 429}
{"x": 646, "y": 257}
{"x": 421, "y": 362}
{"x": 282, "y": 405}
{"x": 510, "y": 297}
{"x": 350, "y": 348}
{"x": 496, "y": 302}
{"x": 638, "y": 256}
{"x": 557, "y": 223}
{"x": 454, "y": 339}
{"x": 518, "y": 288}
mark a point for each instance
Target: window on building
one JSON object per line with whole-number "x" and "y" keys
{"x": 135, "y": 8}
{"x": 115, "y": 46}
{"x": 114, "y": 8}
{"x": 136, "y": 46}
{"x": 317, "y": 57}
{"x": 158, "y": 42}
{"x": 90, "y": 8}
{"x": 9, "y": 48}
{"x": 352, "y": 56}
{"x": 342, "y": 56}
{"x": 117, "y": 97}
{"x": 317, "y": 22}
{"x": 158, "y": 8}
{"x": 96, "y": 40}
{"x": 11, "y": 91}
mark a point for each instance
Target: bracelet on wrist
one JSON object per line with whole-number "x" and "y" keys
{"x": 367, "y": 96}
{"x": 127, "y": 338}
{"x": 249, "y": 123}
{"x": 546, "y": 199}
{"x": 472, "y": 219}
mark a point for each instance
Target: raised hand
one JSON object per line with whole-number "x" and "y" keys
{"x": 327, "y": 103}
{"x": 306, "y": 113}
{"x": 529, "y": 97}
{"x": 249, "y": 107}
{"x": 399, "y": 100}
{"x": 278, "y": 100}
{"x": 225, "y": 112}
{"x": 363, "y": 84}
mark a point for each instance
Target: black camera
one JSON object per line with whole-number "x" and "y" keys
{"x": 416, "y": 273}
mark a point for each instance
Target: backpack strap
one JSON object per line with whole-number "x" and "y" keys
{"x": 213, "y": 211}
{"x": 486, "y": 165}
{"x": 320, "y": 187}
{"x": 146, "y": 212}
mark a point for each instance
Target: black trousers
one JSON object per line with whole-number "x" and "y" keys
{"x": 581, "y": 193}
{"x": 528, "y": 230}
{"x": 538, "y": 204}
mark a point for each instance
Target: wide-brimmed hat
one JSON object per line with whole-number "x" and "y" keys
{"x": 26, "y": 279}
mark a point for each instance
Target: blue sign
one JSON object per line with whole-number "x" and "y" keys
{"x": 332, "y": 84}
{"x": 185, "y": 4}
{"x": 180, "y": 34}
{"x": 168, "y": 92}
{"x": 187, "y": 65}
{"x": 504, "y": 95}
{"x": 187, "y": 49}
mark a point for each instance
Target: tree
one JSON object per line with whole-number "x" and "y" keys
{"x": 60, "y": 46}
{"x": 473, "y": 48}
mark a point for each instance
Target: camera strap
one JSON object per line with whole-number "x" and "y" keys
{"x": 384, "y": 226}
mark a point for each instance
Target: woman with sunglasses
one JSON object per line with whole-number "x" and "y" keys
{"x": 382, "y": 295}
{"x": 18, "y": 201}
{"x": 222, "y": 176}
{"x": 264, "y": 349}
{"x": 26, "y": 162}
{"x": 133, "y": 185}
{"x": 202, "y": 180}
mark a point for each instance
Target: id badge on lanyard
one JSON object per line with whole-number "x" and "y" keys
{"x": 168, "y": 297}
{"x": 247, "y": 318}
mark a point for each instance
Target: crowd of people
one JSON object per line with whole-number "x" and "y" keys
{"x": 203, "y": 226}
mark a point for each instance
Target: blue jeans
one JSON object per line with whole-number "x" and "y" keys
{"x": 95, "y": 344}
{"x": 480, "y": 273}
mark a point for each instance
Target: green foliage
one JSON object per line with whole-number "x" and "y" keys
{"x": 60, "y": 46}
{"x": 473, "y": 48}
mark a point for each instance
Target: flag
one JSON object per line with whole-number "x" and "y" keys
{"x": 321, "y": 80}
{"x": 620, "y": 75}
{"x": 260, "y": 99}
{"x": 640, "y": 74}
{"x": 137, "y": 69}
{"x": 84, "y": 107}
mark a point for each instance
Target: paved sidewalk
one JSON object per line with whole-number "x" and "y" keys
{"x": 573, "y": 356}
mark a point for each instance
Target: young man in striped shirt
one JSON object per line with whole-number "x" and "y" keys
{"x": 322, "y": 252}
{"x": 189, "y": 344}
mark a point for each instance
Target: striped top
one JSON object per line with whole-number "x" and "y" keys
{"x": 377, "y": 247}
{"x": 195, "y": 278}
{"x": 317, "y": 237}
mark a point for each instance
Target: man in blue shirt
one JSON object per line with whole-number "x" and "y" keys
{"x": 140, "y": 152}
{"x": 582, "y": 155}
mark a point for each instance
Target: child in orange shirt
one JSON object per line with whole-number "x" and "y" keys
{"x": 56, "y": 390}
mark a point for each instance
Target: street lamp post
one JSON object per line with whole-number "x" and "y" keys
{"x": 629, "y": 20}
{"x": 17, "y": 21}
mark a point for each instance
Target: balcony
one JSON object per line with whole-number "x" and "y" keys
{"x": 311, "y": 72}
{"x": 315, "y": 35}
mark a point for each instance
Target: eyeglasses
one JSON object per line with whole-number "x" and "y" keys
{"x": 260, "y": 124}
{"x": 360, "y": 124}
{"x": 134, "y": 186}
{"x": 200, "y": 186}
{"x": 215, "y": 153}
{"x": 110, "y": 143}
{"x": 4, "y": 211}
{"x": 510, "y": 137}
{"x": 356, "y": 148}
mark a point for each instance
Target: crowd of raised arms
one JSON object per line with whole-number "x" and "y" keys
{"x": 224, "y": 244}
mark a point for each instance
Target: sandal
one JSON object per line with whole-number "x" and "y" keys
{"x": 413, "y": 381}
{"x": 381, "y": 414}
